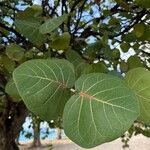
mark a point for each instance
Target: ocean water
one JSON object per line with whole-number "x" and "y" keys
{"x": 51, "y": 136}
{"x": 27, "y": 128}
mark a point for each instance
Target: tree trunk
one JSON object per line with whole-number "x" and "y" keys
{"x": 36, "y": 129}
{"x": 11, "y": 124}
{"x": 58, "y": 133}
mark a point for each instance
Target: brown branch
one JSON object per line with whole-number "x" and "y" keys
{"x": 72, "y": 9}
{"x": 81, "y": 12}
{"x": 55, "y": 7}
{"x": 12, "y": 30}
{"x": 134, "y": 21}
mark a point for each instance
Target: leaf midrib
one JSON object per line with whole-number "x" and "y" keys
{"x": 43, "y": 78}
{"x": 82, "y": 94}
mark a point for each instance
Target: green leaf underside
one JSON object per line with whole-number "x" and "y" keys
{"x": 102, "y": 109}
{"x": 138, "y": 79}
{"x": 62, "y": 42}
{"x": 30, "y": 29}
{"x": 52, "y": 24}
{"x": 15, "y": 52}
{"x": 11, "y": 89}
{"x": 43, "y": 85}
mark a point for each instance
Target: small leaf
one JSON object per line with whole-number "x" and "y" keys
{"x": 115, "y": 54}
{"x": 125, "y": 47}
{"x": 98, "y": 67}
{"x": 138, "y": 80}
{"x": 134, "y": 62}
{"x": 73, "y": 57}
{"x": 8, "y": 64}
{"x": 139, "y": 29}
{"x": 91, "y": 50}
{"x": 80, "y": 67}
{"x": 15, "y": 52}
{"x": 62, "y": 42}
{"x": 11, "y": 89}
{"x": 123, "y": 66}
{"x": 30, "y": 29}
{"x": 101, "y": 110}
{"x": 44, "y": 85}
{"x": 52, "y": 24}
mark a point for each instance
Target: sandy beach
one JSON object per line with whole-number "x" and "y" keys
{"x": 136, "y": 143}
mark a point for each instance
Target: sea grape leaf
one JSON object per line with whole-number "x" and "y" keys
{"x": 11, "y": 89}
{"x": 125, "y": 47}
{"x": 62, "y": 42}
{"x": 115, "y": 54}
{"x": 98, "y": 67}
{"x": 44, "y": 85}
{"x": 15, "y": 52}
{"x": 73, "y": 57}
{"x": 101, "y": 110}
{"x": 134, "y": 62}
{"x": 8, "y": 63}
{"x": 90, "y": 51}
{"x": 138, "y": 80}
{"x": 77, "y": 61}
{"x": 123, "y": 66}
{"x": 30, "y": 29}
{"x": 145, "y": 36}
{"x": 80, "y": 67}
{"x": 139, "y": 29}
{"x": 52, "y": 24}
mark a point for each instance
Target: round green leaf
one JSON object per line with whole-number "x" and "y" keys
{"x": 139, "y": 29}
{"x": 62, "y": 42}
{"x": 91, "y": 50}
{"x": 80, "y": 67}
{"x": 115, "y": 54}
{"x": 101, "y": 110}
{"x": 138, "y": 80}
{"x": 125, "y": 47}
{"x": 73, "y": 57}
{"x": 8, "y": 63}
{"x": 44, "y": 85}
{"x": 11, "y": 89}
{"x": 30, "y": 29}
{"x": 15, "y": 52}
{"x": 145, "y": 36}
{"x": 134, "y": 62}
{"x": 123, "y": 66}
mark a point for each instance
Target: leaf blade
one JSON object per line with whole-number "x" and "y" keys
{"x": 138, "y": 80}
{"x": 52, "y": 24}
{"x": 101, "y": 104}
{"x": 43, "y": 85}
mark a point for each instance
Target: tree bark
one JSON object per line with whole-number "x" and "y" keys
{"x": 36, "y": 129}
{"x": 59, "y": 137}
{"x": 11, "y": 124}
